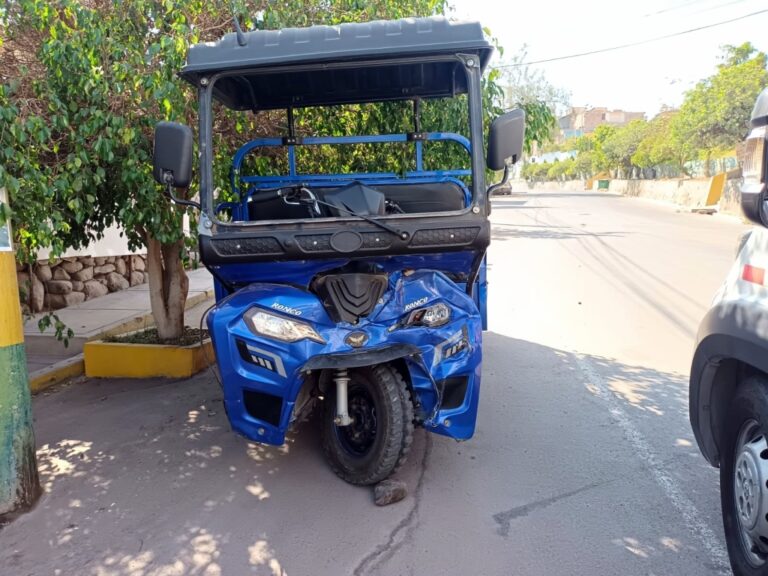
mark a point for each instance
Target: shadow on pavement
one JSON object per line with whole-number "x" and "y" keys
{"x": 502, "y": 231}
{"x": 146, "y": 478}
{"x": 573, "y": 194}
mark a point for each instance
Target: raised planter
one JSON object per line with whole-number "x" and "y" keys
{"x": 120, "y": 360}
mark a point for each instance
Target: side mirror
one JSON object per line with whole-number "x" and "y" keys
{"x": 754, "y": 190}
{"x": 505, "y": 139}
{"x": 172, "y": 156}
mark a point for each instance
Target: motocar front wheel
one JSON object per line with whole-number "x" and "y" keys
{"x": 744, "y": 479}
{"x": 379, "y": 438}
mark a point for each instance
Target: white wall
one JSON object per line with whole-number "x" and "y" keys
{"x": 112, "y": 244}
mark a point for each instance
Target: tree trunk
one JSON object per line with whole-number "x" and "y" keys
{"x": 168, "y": 287}
{"x": 707, "y": 171}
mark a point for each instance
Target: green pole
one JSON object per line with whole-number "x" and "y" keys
{"x": 19, "y": 483}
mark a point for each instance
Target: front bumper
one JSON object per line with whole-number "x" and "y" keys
{"x": 262, "y": 377}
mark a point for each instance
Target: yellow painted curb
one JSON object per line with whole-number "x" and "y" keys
{"x": 119, "y": 360}
{"x": 47, "y": 377}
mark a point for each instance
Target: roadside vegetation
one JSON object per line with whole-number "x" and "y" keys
{"x": 699, "y": 136}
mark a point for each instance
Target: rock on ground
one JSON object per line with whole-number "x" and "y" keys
{"x": 389, "y": 491}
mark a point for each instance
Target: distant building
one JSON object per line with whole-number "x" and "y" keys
{"x": 581, "y": 120}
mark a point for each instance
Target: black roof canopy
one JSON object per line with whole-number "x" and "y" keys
{"x": 322, "y": 65}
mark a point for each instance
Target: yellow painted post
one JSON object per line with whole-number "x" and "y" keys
{"x": 716, "y": 189}
{"x": 19, "y": 482}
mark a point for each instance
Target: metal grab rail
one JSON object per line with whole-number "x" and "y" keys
{"x": 292, "y": 175}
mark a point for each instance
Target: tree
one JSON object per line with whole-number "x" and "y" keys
{"x": 523, "y": 83}
{"x": 620, "y": 146}
{"x": 602, "y": 134}
{"x": 82, "y": 85}
{"x": 660, "y": 147}
{"x": 715, "y": 113}
{"x": 584, "y": 164}
{"x": 527, "y": 88}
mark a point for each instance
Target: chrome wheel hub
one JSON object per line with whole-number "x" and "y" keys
{"x": 750, "y": 492}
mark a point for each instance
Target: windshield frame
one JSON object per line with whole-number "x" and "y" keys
{"x": 209, "y": 223}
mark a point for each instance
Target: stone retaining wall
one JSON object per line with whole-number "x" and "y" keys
{"x": 731, "y": 200}
{"x": 691, "y": 193}
{"x": 54, "y": 284}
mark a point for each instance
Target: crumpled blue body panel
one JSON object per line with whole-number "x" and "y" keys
{"x": 250, "y": 362}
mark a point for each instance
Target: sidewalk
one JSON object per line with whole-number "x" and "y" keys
{"x": 49, "y": 361}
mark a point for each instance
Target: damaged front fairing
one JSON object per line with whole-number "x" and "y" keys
{"x": 262, "y": 377}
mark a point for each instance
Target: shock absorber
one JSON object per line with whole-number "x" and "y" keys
{"x": 341, "y": 377}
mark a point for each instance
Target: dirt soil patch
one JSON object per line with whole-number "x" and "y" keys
{"x": 190, "y": 337}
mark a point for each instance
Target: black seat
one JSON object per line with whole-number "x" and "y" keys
{"x": 414, "y": 198}
{"x": 424, "y": 197}
{"x": 277, "y": 209}
{"x": 411, "y": 198}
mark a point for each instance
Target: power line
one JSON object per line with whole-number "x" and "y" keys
{"x": 717, "y": 7}
{"x": 693, "y": 2}
{"x": 671, "y": 8}
{"x": 632, "y": 44}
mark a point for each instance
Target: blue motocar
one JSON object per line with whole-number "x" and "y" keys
{"x": 362, "y": 292}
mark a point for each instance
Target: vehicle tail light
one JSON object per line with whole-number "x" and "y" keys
{"x": 753, "y": 274}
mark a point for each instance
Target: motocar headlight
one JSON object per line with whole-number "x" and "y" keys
{"x": 431, "y": 316}
{"x": 279, "y": 327}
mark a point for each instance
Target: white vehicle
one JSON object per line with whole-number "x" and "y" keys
{"x": 729, "y": 375}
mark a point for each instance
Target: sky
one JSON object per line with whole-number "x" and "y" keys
{"x": 641, "y": 78}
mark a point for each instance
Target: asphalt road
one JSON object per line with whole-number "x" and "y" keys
{"x": 583, "y": 462}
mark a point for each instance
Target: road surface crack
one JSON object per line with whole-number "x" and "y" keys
{"x": 504, "y": 519}
{"x": 399, "y": 535}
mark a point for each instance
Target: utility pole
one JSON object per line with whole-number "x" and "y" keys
{"x": 19, "y": 482}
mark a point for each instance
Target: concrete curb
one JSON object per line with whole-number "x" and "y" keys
{"x": 68, "y": 368}
{"x": 46, "y": 377}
